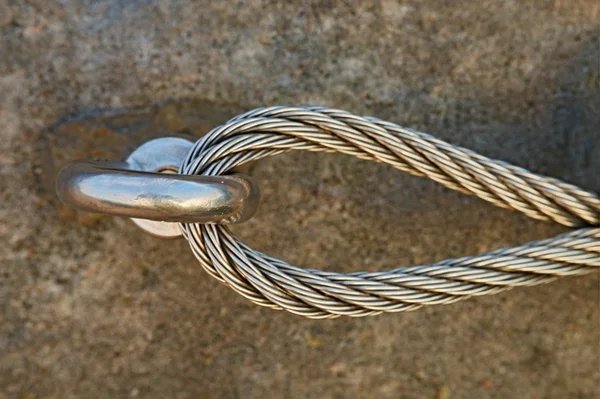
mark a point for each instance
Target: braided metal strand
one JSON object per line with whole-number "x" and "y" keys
{"x": 318, "y": 294}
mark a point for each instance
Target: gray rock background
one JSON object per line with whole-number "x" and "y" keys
{"x": 93, "y": 308}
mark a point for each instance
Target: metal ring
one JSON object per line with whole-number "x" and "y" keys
{"x": 110, "y": 188}
{"x": 146, "y": 187}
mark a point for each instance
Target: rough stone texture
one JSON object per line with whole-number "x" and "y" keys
{"x": 93, "y": 308}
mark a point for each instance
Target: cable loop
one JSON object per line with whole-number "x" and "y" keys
{"x": 319, "y": 294}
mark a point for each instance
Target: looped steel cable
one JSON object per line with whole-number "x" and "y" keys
{"x": 319, "y": 294}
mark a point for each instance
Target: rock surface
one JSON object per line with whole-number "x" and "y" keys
{"x": 91, "y": 307}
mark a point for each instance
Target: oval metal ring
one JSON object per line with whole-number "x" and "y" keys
{"x": 153, "y": 191}
{"x": 108, "y": 187}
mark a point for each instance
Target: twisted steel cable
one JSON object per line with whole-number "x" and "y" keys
{"x": 319, "y": 294}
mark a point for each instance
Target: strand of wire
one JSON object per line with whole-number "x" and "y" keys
{"x": 319, "y": 294}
